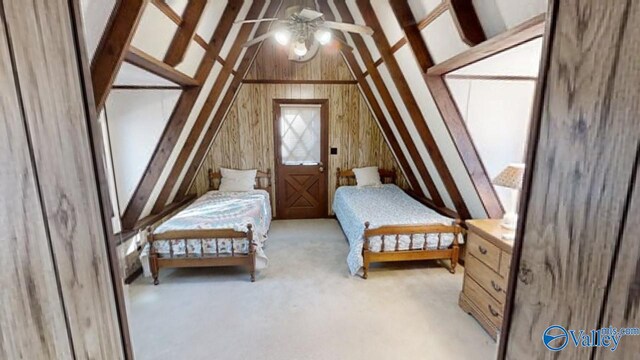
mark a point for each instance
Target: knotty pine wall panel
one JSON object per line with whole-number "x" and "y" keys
{"x": 245, "y": 140}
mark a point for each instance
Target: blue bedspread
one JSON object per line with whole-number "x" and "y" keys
{"x": 380, "y": 206}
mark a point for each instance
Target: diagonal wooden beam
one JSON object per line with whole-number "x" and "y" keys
{"x": 147, "y": 62}
{"x": 186, "y": 31}
{"x": 178, "y": 119}
{"x": 408, "y": 24}
{"x": 227, "y": 101}
{"x": 212, "y": 100}
{"x": 411, "y": 104}
{"x": 365, "y": 90}
{"x": 113, "y": 47}
{"x": 362, "y": 49}
{"x": 450, "y": 114}
{"x": 466, "y": 21}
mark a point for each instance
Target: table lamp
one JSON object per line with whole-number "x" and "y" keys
{"x": 511, "y": 177}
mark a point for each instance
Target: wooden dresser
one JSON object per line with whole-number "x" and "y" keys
{"x": 486, "y": 272}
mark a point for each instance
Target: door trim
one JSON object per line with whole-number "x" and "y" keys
{"x": 324, "y": 146}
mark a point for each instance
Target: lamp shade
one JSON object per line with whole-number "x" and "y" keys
{"x": 510, "y": 177}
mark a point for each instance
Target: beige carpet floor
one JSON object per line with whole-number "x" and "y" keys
{"x": 305, "y": 306}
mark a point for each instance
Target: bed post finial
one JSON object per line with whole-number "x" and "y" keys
{"x": 252, "y": 253}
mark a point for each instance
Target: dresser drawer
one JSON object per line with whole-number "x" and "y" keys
{"x": 505, "y": 264}
{"x": 484, "y": 251}
{"x": 491, "y": 281}
{"x": 483, "y": 301}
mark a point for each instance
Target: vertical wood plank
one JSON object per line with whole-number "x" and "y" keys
{"x": 32, "y": 322}
{"x": 584, "y": 146}
{"x": 46, "y": 64}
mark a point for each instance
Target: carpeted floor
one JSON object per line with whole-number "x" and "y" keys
{"x": 305, "y": 306}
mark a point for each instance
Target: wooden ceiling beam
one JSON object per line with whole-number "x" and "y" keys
{"x": 408, "y": 24}
{"x": 415, "y": 113}
{"x": 225, "y": 104}
{"x": 466, "y": 21}
{"x": 391, "y": 107}
{"x": 147, "y": 62}
{"x": 178, "y": 118}
{"x": 177, "y": 19}
{"x": 113, "y": 47}
{"x": 450, "y": 114}
{"x": 185, "y": 32}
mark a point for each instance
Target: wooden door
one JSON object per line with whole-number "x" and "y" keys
{"x": 301, "y": 151}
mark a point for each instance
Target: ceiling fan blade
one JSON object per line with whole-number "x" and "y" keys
{"x": 361, "y": 29}
{"x": 250, "y": 21}
{"x": 309, "y": 14}
{"x": 259, "y": 38}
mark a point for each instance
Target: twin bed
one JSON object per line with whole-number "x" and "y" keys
{"x": 382, "y": 223}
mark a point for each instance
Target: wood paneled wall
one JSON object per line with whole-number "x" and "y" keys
{"x": 245, "y": 139}
{"x": 57, "y": 296}
{"x": 577, "y": 247}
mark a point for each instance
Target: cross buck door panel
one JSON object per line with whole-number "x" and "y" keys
{"x": 301, "y": 150}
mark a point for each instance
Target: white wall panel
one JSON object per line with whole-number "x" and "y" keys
{"x": 398, "y": 138}
{"x": 388, "y": 21}
{"x": 202, "y": 97}
{"x": 415, "y": 136}
{"x": 422, "y": 8}
{"x": 442, "y": 38}
{"x": 493, "y": 108}
{"x": 155, "y": 32}
{"x": 136, "y": 119}
{"x": 95, "y": 16}
{"x": 356, "y": 54}
{"x": 210, "y": 17}
{"x": 522, "y": 60}
{"x": 133, "y": 75}
{"x": 497, "y": 16}
{"x": 192, "y": 58}
{"x": 438, "y": 128}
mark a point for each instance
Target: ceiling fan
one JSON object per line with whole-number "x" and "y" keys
{"x": 304, "y": 30}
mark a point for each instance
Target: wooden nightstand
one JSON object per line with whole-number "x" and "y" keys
{"x": 486, "y": 273}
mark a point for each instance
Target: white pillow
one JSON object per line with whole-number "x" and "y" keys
{"x": 237, "y": 180}
{"x": 367, "y": 176}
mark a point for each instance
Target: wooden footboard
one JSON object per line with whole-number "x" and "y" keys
{"x": 395, "y": 254}
{"x": 157, "y": 262}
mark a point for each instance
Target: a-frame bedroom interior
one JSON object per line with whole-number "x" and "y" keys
{"x": 320, "y": 179}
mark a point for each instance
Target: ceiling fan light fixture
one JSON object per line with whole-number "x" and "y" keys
{"x": 283, "y": 36}
{"x": 323, "y": 36}
{"x": 299, "y": 48}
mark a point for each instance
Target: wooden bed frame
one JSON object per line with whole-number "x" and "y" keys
{"x": 347, "y": 177}
{"x": 263, "y": 181}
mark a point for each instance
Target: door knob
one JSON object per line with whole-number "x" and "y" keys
{"x": 321, "y": 167}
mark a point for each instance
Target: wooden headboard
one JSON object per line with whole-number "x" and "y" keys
{"x": 263, "y": 180}
{"x": 348, "y": 177}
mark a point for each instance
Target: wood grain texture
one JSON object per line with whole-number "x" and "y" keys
{"x": 585, "y": 143}
{"x": 186, "y": 31}
{"x": 32, "y": 322}
{"x": 178, "y": 118}
{"x": 467, "y": 22}
{"x": 245, "y": 140}
{"x": 113, "y": 47}
{"x": 46, "y": 61}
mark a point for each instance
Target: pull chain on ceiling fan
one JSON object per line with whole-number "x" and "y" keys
{"x": 303, "y": 31}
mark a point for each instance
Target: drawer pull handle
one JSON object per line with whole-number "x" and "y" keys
{"x": 493, "y": 312}
{"x": 483, "y": 251}
{"x": 495, "y": 286}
